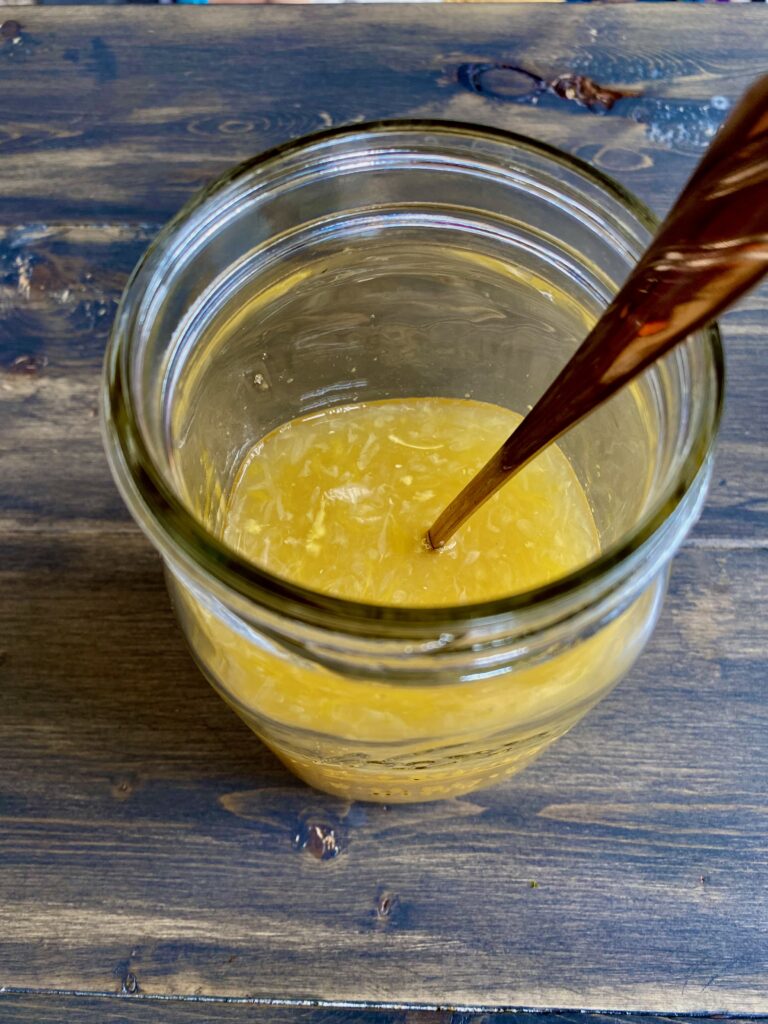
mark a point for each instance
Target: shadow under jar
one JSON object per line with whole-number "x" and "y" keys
{"x": 398, "y": 260}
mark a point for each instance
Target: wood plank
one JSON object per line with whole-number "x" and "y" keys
{"x": 136, "y": 1009}
{"x": 56, "y": 1009}
{"x": 153, "y": 103}
{"x": 52, "y": 337}
{"x": 59, "y": 288}
{"x": 240, "y": 81}
{"x": 146, "y": 832}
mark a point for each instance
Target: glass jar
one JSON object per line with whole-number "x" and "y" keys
{"x": 391, "y": 260}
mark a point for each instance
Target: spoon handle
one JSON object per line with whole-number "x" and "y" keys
{"x": 711, "y": 248}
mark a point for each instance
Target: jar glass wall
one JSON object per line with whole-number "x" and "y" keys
{"x": 400, "y": 260}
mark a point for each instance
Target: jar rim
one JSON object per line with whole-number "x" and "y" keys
{"x": 165, "y": 518}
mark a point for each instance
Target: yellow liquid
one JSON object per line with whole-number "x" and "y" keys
{"x": 340, "y": 501}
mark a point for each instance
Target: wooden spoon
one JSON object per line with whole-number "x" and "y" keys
{"x": 711, "y": 248}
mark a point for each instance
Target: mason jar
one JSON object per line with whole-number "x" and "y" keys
{"x": 399, "y": 260}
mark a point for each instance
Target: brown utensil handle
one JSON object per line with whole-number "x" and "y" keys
{"x": 711, "y": 248}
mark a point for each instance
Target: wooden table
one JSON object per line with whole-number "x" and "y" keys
{"x": 152, "y": 867}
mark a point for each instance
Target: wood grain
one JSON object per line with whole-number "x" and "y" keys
{"x": 113, "y": 157}
{"x": 147, "y": 833}
{"x": 33, "y": 1009}
{"x": 125, "y": 113}
{"x": 136, "y": 1009}
{"x": 147, "y": 841}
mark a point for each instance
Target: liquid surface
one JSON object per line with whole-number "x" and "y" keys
{"x": 340, "y": 501}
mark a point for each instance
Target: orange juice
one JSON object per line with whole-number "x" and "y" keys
{"x": 340, "y": 501}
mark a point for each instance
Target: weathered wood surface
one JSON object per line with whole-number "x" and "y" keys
{"x": 147, "y": 842}
{"x": 146, "y": 834}
{"x": 34, "y": 1009}
{"x": 112, "y": 118}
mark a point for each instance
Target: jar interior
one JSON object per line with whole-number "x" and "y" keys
{"x": 401, "y": 276}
